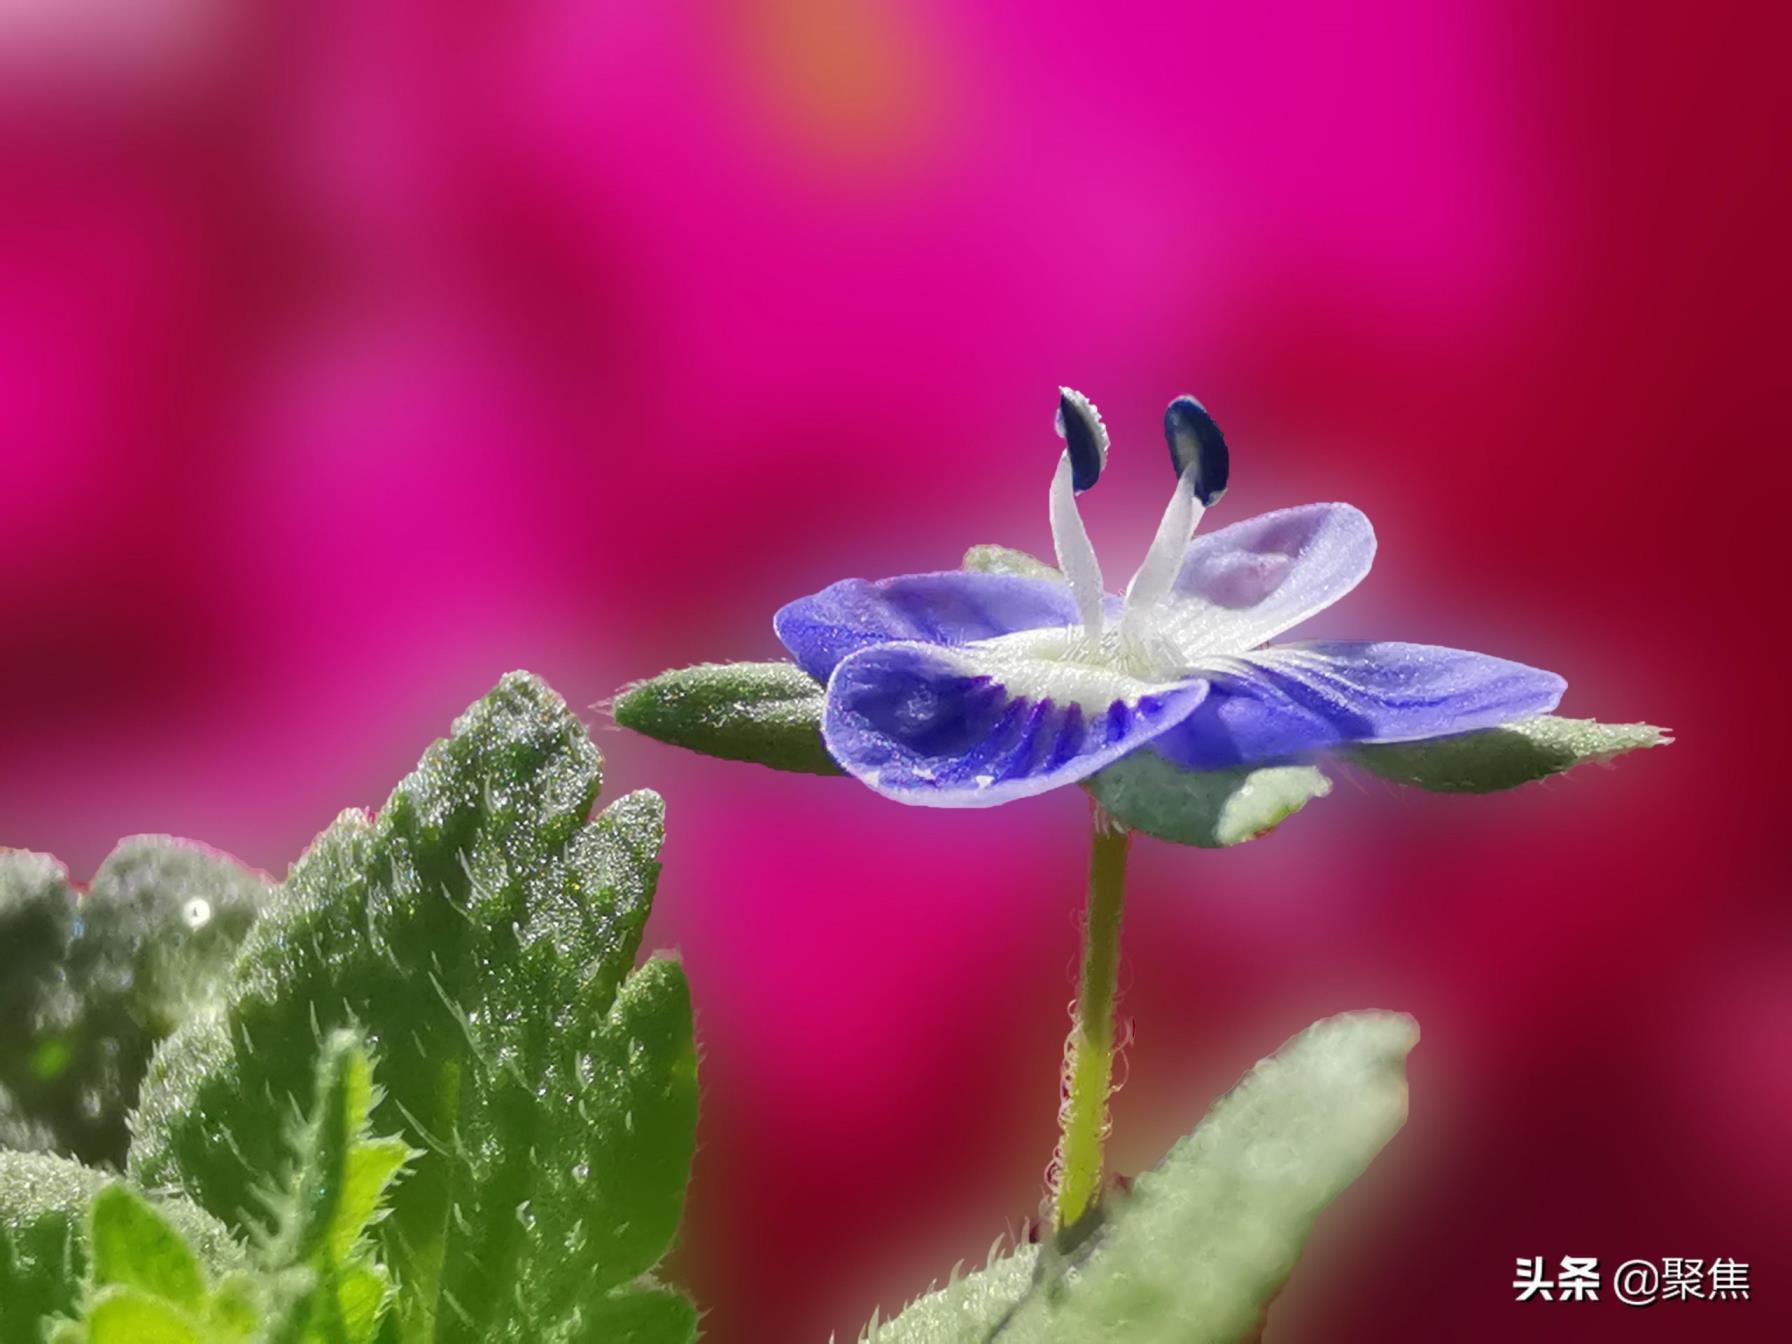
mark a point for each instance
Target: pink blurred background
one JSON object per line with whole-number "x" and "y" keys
{"x": 356, "y": 353}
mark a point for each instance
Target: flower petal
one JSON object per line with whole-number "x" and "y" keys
{"x": 1293, "y": 701}
{"x": 1246, "y": 583}
{"x": 947, "y": 608}
{"x": 977, "y": 726}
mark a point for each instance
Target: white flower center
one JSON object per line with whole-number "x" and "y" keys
{"x": 1141, "y": 647}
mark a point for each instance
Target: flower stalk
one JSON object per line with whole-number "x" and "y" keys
{"x": 1089, "y": 1052}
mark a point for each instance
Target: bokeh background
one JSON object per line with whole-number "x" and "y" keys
{"x": 354, "y": 353}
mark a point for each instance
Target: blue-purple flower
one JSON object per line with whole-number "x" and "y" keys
{"x": 969, "y": 689}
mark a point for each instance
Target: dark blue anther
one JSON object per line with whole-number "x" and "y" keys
{"x": 1195, "y": 441}
{"x": 1085, "y": 437}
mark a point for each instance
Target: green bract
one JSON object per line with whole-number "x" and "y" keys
{"x": 764, "y": 712}
{"x": 480, "y": 931}
{"x": 1503, "y": 758}
{"x": 1204, "y": 1240}
{"x": 1210, "y": 808}
{"x": 91, "y": 981}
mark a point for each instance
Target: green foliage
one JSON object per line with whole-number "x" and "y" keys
{"x": 133, "y": 1246}
{"x": 1503, "y": 758}
{"x": 44, "y": 1247}
{"x": 769, "y": 713}
{"x": 1203, "y": 1241}
{"x": 312, "y": 1278}
{"x": 91, "y": 981}
{"x": 322, "y": 1218}
{"x": 1209, "y": 808}
{"x": 43, "y": 1200}
{"x": 1007, "y": 560}
{"x": 480, "y": 931}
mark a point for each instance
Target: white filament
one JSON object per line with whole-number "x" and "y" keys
{"x": 1076, "y": 557}
{"x": 1151, "y": 585}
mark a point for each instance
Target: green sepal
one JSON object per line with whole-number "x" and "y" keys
{"x": 1205, "y": 1239}
{"x": 1503, "y": 758}
{"x": 1006, "y": 560}
{"x": 768, "y": 713}
{"x": 1208, "y": 808}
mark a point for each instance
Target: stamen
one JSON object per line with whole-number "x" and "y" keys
{"x": 1085, "y": 437}
{"x": 1076, "y": 557}
{"x": 1196, "y": 444}
{"x": 1152, "y": 583}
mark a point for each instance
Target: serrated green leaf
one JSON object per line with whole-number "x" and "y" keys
{"x": 298, "y": 1290}
{"x": 768, "y": 713}
{"x": 320, "y": 1218}
{"x": 340, "y": 1173}
{"x": 1503, "y": 758}
{"x": 1006, "y": 560}
{"x": 360, "y": 1294}
{"x": 649, "y": 1316}
{"x": 371, "y": 1168}
{"x": 131, "y": 1316}
{"x": 90, "y": 982}
{"x": 173, "y": 911}
{"x": 1206, "y": 1238}
{"x": 481, "y": 932}
{"x": 234, "y": 1309}
{"x": 133, "y": 1246}
{"x": 1209, "y": 808}
{"x": 967, "y": 1310}
{"x": 44, "y": 1204}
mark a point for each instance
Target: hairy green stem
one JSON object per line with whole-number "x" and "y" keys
{"x": 1089, "y": 1053}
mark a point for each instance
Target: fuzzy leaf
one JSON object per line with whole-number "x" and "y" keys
{"x": 1007, "y": 560}
{"x": 44, "y": 1202}
{"x": 340, "y": 1176}
{"x": 312, "y": 1279}
{"x": 360, "y": 1294}
{"x": 371, "y": 1168}
{"x": 967, "y": 1310}
{"x": 769, "y": 713}
{"x": 131, "y": 1316}
{"x": 480, "y": 931}
{"x": 1503, "y": 758}
{"x": 233, "y": 1311}
{"x": 90, "y": 982}
{"x": 1209, "y": 808}
{"x": 133, "y": 1246}
{"x": 340, "y": 1173}
{"x": 1203, "y": 1241}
